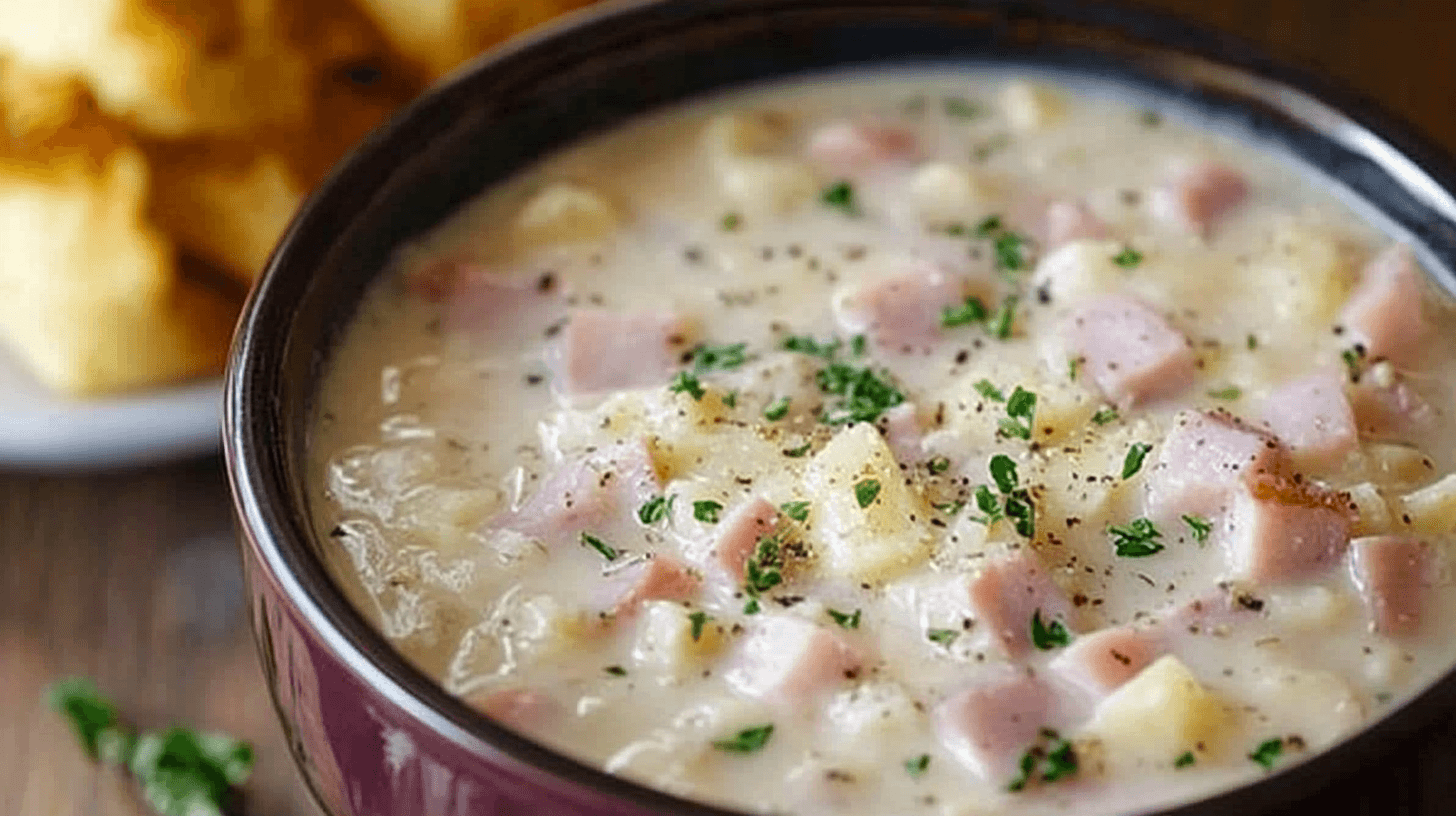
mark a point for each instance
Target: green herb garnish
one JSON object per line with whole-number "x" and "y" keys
{"x": 990, "y": 225}
{"x": 1074, "y": 364}
{"x": 796, "y": 510}
{"x": 721, "y": 358}
{"x": 1011, "y": 251}
{"x": 840, "y": 196}
{"x": 1353, "y": 359}
{"x": 707, "y": 511}
{"x": 615, "y": 671}
{"x": 730, "y": 399}
{"x": 1002, "y": 323}
{"x": 1061, "y": 762}
{"x": 938, "y": 465}
{"x": 685, "y": 383}
{"x": 1268, "y": 752}
{"x": 776, "y": 410}
{"x": 804, "y": 344}
{"x": 1133, "y": 462}
{"x": 746, "y": 741}
{"x": 960, "y": 108}
{"x": 1231, "y": 392}
{"x": 857, "y": 345}
{"x": 655, "y": 509}
{"x": 1105, "y": 415}
{"x": 844, "y": 619}
{"x": 949, "y": 508}
{"x": 917, "y": 766}
{"x": 795, "y": 453}
{"x": 1137, "y": 539}
{"x": 942, "y": 637}
{"x": 752, "y": 607}
{"x": 763, "y": 570}
{"x": 599, "y": 545}
{"x": 865, "y": 492}
{"x": 972, "y": 311}
{"x": 1021, "y": 405}
{"x": 1003, "y": 472}
{"x": 863, "y": 394}
{"x": 1252, "y": 342}
{"x": 731, "y": 221}
{"x": 1201, "y": 527}
{"x": 988, "y": 504}
{"x": 1019, "y": 509}
{"x": 1184, "y": 760}
{"x": 698, "y": 620}
{"x": 1128, "y": 258}
{"x": 1054, "y": 756}
{"x": 1048, "y": 636}
{"x": 989, "y": 391}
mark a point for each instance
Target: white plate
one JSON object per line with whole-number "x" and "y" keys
{"x": 41, "y": 429}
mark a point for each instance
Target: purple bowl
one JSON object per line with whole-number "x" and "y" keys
{"x": 372, "y": 735}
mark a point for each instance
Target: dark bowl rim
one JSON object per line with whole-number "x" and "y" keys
{"x": 280, "y": 538}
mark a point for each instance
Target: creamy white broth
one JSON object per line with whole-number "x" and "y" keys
{"x": 439, "y": 424}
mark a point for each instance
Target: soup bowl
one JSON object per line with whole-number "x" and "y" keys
{"x": 374, "y": 736}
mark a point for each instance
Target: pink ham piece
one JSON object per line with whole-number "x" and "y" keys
{"x": 1219, "y": 610}
{"x": 1202, "y": 460}
{"x": 1392, "y": 574}
{"x": 1280, "y": 530}
{"x": 1312, "y": 417}
{"x": 660, "y": 578}
{"x": 788, "y": 660}
{"x": 850, "y": 148}
{"x": 518, "y": 708}
{"x": 1196, "y": 198}
{"x": 902, "y": 313}
{"x": 584, "y": 494}
{"x": 1067, "y": 221}
{"x": 989, "y": 727}
{"x": 1129, "y": 350}
{"x": 600, "y": 350}
{"x": 1390, "y": 412}
{"x": 740, "y": 532}
{"x": 1100, "y": 662}
{"x": 484, "y": 301}
{"x": 1005, "y": 595}
{"x": 1383, "y": 314}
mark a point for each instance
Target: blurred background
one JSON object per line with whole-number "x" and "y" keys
{"x": 160, "y": 206}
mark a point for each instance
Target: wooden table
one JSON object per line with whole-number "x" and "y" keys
{"x": 131, "y": 578}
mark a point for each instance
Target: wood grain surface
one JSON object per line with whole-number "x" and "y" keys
{"x": 132, "y": 578}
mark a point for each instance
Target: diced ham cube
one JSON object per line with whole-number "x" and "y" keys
{"x": 1066, "y": 221}
{"x": 851, "y": 148}
{"x": 989, "y": 727}
{"x": 1282, "y": 530}
{"x": 1005, "y": 595}
{"x": 1202, "y": 460}
{"x": 585, "y": 493}
{"x": 787, "y": 660}
{"x": 1197, "y": 197}
{"x": 1225, "y": 607}
{"x": 660, "y": 578}
{"x": 902, "y": 313}
{"x": 1312, "y": 417}
{"x": 740, "y": 532}
{"x": 519, "y": 708}
{"x": 903, "y": 432}
{"x": 601, "y": 350}
{"x": 1130, "y": 351}
{"x": 1383, "y": 314}
{"x": 1392, "y": 573}
{"x": 1100, "y": 662}
{"x": 1392, "y": 410}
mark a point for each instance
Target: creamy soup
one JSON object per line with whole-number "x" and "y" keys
{"x": 911, "y": 443}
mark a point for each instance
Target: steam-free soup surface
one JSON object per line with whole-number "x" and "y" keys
{"x": 911, "y": 443}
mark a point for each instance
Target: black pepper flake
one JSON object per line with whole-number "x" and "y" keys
{"x": 534, "y": 379}
{"x": 338, "y": 532}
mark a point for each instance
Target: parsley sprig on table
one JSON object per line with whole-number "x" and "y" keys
{"x": 181, "y": 772}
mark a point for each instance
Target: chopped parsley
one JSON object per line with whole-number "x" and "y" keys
{"x": 1048, "y": 636}
{"x": 1200, "y": 527}
{"x": 988, "y": 390}
{"x": 942, "y": 637}
{"x": 1268, "y": 752}
{"x": 1230, "y": 392}
{"x": 1011, "y": 251}
{"x": 949, "y": 508}
{"x": 988, "y": 504}
{"x": 720, "y": 358}
{"x": 844, "y": 619}
{"x": 1133, "y": 462}
{"x": 1003, "y": 321}
{"x": 181, "y": 772}
{"x": 866, "y": 491}
{"x": 746, "y": 741}
{"x": 707, "y": 511}
{"x": 762, "y": 571}
{"x": 840, "y": 196}
{"x": 776, "y": 410}
{"x": 1128, "y": 258}
{"x": 1050, "y": 759}
{"x": 1105, "y": 415}
{"x": 804, "y": 344}
{"x": 795, "y": 453}
{"x": 917, "y": 766}
{"x": 972, "y": 311}
{"x": 615, "y": 671}
{"x": 1184, "y": 760}
{"x": 1061, "y": 762}
{"x": 685, "y": 383}
{"x": 1003, "y": 471}
{"x": 752, "y": 607}
{"x": 599, "y": 545}
{"x": 655, "y": 509}
{"x": 1353, "y": 358}
{"x": 730, "y": 399}
{"x": 1136, "y": 539}
{"x": 796, "y": 510}
{"x": 1074, "y": 364}
{"x": 990, "y": 225}
{"x": 938, "y": 465}
{"x": 960, "y": 108}
{"x": 698, "y": 620}
{"x": 857, "y": 345}
{"x": 1019, "y": 509}
{"x": 731, "y": 221}
{"x": 1252, "y": 342}
{"x": 1021, "y": 405}
{"x": 863, "y": 394}
{"x": 1015, "y": 502}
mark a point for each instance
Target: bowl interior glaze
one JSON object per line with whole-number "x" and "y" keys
{"x": 598, "y": 68}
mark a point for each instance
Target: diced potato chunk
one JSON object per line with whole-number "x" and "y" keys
{"x": 1158, "y": 715}
{"x": 1308, "y": 608}
{"x": 1029, "y": 107}
{"x": 1079, "y": 270}
{"x": 946, "y": 194}
{"x": 446, "y": 517}
{"x": 765, "y": 184}
{"x": 1372, "y": 514}
{"x": 565, "y": 213}
{"x": 1306, "y": 275}
{"x": 1397, "y": 464}
{"x": 743, "y": 134}
{"x": 665, "y": 640}
{"x": 881, "y": 539}
{"x": 1432, "y": 509}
